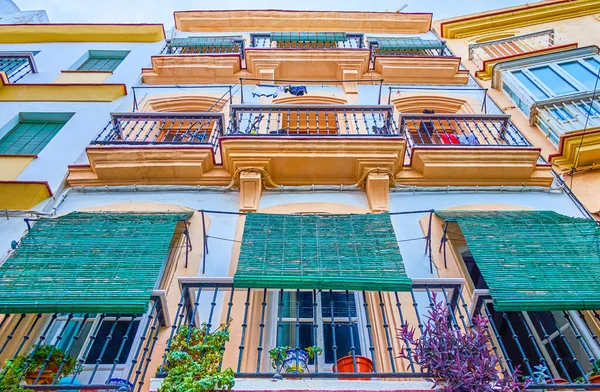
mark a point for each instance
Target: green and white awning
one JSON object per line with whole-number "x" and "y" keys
{"x": 337, "y": 252}
{"x": 395, "y": 43}
{"x": 87, "y": 262}
{"x": 206, "y": 42}
{"x": 308, "y": 37}
{"x": 534, "y": 260}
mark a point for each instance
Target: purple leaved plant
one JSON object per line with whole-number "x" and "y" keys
{"x": 458, "y": 361}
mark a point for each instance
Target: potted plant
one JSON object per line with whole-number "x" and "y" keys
{"x": 27, "y": 367}
{"x": 458, "y": 361}
{"x": 292, "y": 360}
{"x": 346, "y": 364}
{"x": 194, "y": 360}
{"x": 593, "y": 377}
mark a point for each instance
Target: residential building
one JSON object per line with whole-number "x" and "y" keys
{"x": 300, "y": 178}
{"x": 540, "y": 63}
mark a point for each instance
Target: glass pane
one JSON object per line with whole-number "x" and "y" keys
{"x": 585, "y": 108}
{"x": 341, "y": 305}
{"x": 293, "y": 300}
{"x": 108, "y": 350}
{"x": 529, "y": 85}
{"x": 581, "y": 73}
{"x": 593, "y": 62}
{"x": 553, "y": 80}
{"x": 561, "y": 114}
{"x": 342, "y": 340}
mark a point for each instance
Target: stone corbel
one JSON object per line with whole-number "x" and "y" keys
{"x": 250, "y": 190}
{"x": 377, "y": 187}
{"x": 350, "y": 74}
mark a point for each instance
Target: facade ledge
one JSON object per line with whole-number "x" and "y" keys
{"x": 420, "y": 70}
{"x": 577, "y": 149}
{"x": 445, "y": 165}
{"x": 302, "y": 21}
{"x": 60, "y": 92}
{"x": 75, "y": 32}
{"x": 517, "y": 17}
{"x": 310, "y": 160}
{"x": 23, "y": 195}
{"x": 150, "y": 165}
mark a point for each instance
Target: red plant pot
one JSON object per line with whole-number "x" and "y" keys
{"x": 594, "y": 380}
{"x": 557, "y": 381}
{"x": 346, "y": 365}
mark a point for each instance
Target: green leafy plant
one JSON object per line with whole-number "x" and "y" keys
{"x": 16, "y": 369}
{"x": 313, "y": 350}
{"x": 595, "y": 372}
{"x": 279, "y": 354}
{"x": 194, "y": 361}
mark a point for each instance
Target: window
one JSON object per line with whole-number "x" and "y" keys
{"x": 29, "y": 133}
{"x": 561, "y": 114}
{"x": 593, "y": 62}
{"x": 585, "y": 109}
{"x": 581, "y": 73}
{"x": 529, "y": 85}
{"x": 100, "y": 60}
{"x": 553, "y": 80}
{"x": 334, "y": 311}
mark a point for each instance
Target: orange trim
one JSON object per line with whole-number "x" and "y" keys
{"x": 239, "y": 56}
{"x": 553, "y": 48}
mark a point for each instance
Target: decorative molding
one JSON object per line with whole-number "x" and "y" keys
{"x": 581, "y": 148}
{"x": 194, "y": 69}
{"x": 72, "y": 32}
{"x": 302, "y": 21}
{"x": 420, "y": 70}
{"x": 377, "y": 187}
{"x": 23, "y": 195}
{"x": 517, "y": 17}
{"x": 250, "y": 190}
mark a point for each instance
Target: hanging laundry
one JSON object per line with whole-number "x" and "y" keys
{"x": 470, "y": 140}
{"x": 295, "y": 90}
{"x": 449, "y": 139}
{"x": 266, "y": 90}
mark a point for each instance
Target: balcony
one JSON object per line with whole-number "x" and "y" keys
{"x": 204, "y": 45}
{"x": 472, "y": 148}
{"x": 361, "y": 327}
{"x": 307, "y": 41}
{"x": 75, "y": 351}
{"x": 415, "y": 61}
{"x": 154, "y": 148}
{"x": 16, "y": 65}
{"x": 485, "y": 55}
{"x": 313, "y": 144}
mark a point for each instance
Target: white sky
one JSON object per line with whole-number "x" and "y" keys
{"x": 161, "y": 11}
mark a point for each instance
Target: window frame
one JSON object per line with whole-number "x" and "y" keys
{"x": 28, "y": 117}
{"x": 91, "y": 54}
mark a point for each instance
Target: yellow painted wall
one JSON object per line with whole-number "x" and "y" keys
{"x": 82, "y": 77}
{"x": 22, "y": 195}
{"x": 61, "y": 92}
{"x": 11, "y": 166}
{"x": 59, "y": 32}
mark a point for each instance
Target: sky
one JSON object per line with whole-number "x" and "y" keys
{"x": 161, "y": 11}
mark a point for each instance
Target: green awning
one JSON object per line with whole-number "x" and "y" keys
{"x": 308, "y": 37}
{"x": 337, "y": 252}
{"x": 534, "y": 260}
{"x": 392, "y": 43}
{"x": 87, "y": 262}
{"x": 206, "y": 42}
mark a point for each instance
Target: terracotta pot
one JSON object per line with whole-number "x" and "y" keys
{"x": 558, "y": 381}
{"x": 346, "y": 365}
{"x": 594, "y": 380}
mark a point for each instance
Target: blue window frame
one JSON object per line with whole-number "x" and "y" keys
{"x": 100, "y": 60}
{"x": 29, "y": 133}
{"x": 561, "y": 114}
{"x": 530, "y": 85}
{"x": 553, "y": 80}
{"x": 580, "y": 72}
{"x": 585, "y": 108}
{"x": 593, "y": 62}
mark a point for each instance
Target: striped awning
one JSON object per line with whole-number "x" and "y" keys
{"x": 324, "y": 251}
{"x": 534, "y": 260}
{"x": 87, "y": 262}
{"x": 394, "y": 43}
{"x": 308, "y": 37}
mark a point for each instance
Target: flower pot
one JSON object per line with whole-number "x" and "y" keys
{"x": 557, "y": 381}
{"x": 346, "y": 365}
{"x": 46, "y": 377}
{"x": 594, "y": 380}
{"x": 295, "y": 364}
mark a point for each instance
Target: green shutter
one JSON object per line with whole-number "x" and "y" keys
{"x": 534, "y": 260}
{"x": 308, "y": 37}
{"x": 29, "y": 137}
{"x": 88, "y": 263}
{"x": 391, "y": 43}
{"x": 347, "y": 252}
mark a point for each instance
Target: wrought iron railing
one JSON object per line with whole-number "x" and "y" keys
{"x": 97, "y": 352}
{"x": 16, "y": 65}
{"x": 432, "y": 50}
{"x": 204, "y": 45}
{"x": 350, "y": 41}
{"x": 162, "y": 128}
{"x": 460, "y": 130}
{"x": 312, "y": 120}
{"x": 482, "y": 52}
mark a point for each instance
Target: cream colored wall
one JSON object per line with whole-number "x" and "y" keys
{"x": 12, "y": 166}
{"x": 84, "y": 77}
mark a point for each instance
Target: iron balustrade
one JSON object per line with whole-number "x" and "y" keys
{"x": 162, "y": 128}
{"x": 481, "y": 52}
{"x": 460, "y": 130}
{"x": 17, "y": 65}
{"x": 312, "y": 120}
{"x": 204, "y": 45}
{"x": 352, "y": 41}
{"x": 342, "y": 323}
{"x": 106, "y": 348}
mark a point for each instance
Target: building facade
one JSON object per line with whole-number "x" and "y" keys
{"x": 299, "y": 179}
